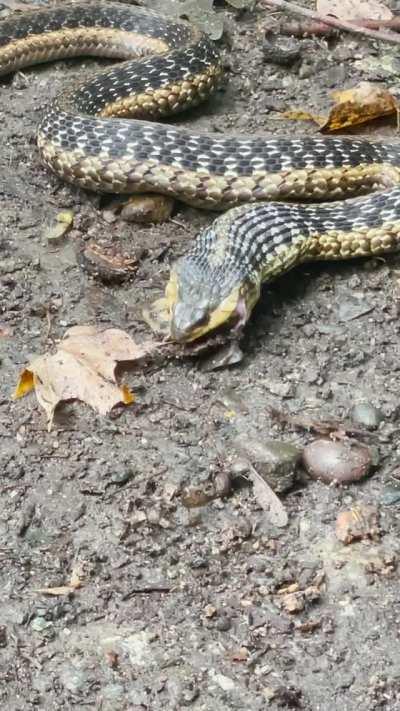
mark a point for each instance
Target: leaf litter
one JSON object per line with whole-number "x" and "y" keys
{"x": 75, "y": 583}
{"x": 83, "y": 368}
{"x": 360, "y": 104}
{"x": 354, "y": 9}
{"x": 267, "y": 498}
{"x": 58, "y": 229}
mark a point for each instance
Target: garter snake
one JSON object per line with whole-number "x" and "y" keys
{"x": 169, "y": 65}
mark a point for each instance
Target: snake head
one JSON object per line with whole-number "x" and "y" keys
{"x": 201, "y": 299}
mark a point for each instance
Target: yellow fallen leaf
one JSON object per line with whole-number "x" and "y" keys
{"x": 62, "y": 225}
{"x": 25, "y": 384}
{"x": 300, "y": 115}
{"x": 230, "y": 414}
{"x": 360, "y": 104}
{"x": 83, "y": 368}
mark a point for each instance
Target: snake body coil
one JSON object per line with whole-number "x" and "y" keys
{"x": 85, "y": 139}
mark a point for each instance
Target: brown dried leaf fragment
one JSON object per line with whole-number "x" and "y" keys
{"x": 83, "y": 368}
{"x": 74, "y": 584}
{"x": 354, "y": 9}
{"x": 267, "y": 498}
{"x": 360, "y": 522}
{"x": 361, "y": 104}
{"x": 106, "y": 263}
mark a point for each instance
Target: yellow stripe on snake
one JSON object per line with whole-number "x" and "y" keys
{"x": 85, "y": 138}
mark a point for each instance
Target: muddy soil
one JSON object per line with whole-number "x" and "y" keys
{"x": 183, "y": 607}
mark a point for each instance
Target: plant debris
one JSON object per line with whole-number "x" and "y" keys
{"x": 63, "y": 224}
{"x": 354, "y": 9}
{"x": 83, "y": 368}
{"x": 267, "y": 498}
{"x": 358, "y": 523}
{"x": 361, "y": 104}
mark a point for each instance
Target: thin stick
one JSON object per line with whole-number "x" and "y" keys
{"x": 305, "y": 29}
{"x": 333, "y": 21}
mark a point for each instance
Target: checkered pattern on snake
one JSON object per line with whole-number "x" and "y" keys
{"x": 85, "y": 138}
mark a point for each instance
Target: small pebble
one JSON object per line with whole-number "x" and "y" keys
{"x": 357, "y": 523}
{"x": 39, "y": 624}
{"x": 366, "y": 414}
{"x": 293, "y": 603}
{"x": 341, "y": 462}
{"x": 210, "y": 611}
{"x": 390, "y": 496}
{"x": 3, "y": 636}
{"x": 223, "y": 483}
{"x": 197, "y": 562}
{"x": 223, "y": 624}
{"x": 283, "y": 51}
{"x": 121, "y": 476}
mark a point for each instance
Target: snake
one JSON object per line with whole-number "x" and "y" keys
{"x": 283, "y": 200}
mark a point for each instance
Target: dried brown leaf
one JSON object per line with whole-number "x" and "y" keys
{"x": 354, "y": 9}
{"x": 83, "y": 368}
{"x": 101, "y": 350}
{"x": 360, "y": 104}
{"x": 267, "y": 498}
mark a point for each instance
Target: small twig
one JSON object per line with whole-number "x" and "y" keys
{"x": 393, "y": 24}
{"x": 146, "y": 590}
{"x": 332, "y": 428}
{"x": 179, "y": 224}
{"x": 306, "y": 29}
{"x": 333, "y": 21}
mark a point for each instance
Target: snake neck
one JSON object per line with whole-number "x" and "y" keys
{"x": 219, "y": 281}
{"x": 215, "y": 283}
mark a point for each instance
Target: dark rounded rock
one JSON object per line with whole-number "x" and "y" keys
{"x": 284, "y": 51}
{"x": 223, "y": 623}
{"x": 342, "y": 462}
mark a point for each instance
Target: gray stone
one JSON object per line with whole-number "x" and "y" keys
{"x": 274, "y": 460}
{"x": 364, "y": 413}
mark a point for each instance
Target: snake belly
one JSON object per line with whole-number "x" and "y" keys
{"x": 169, "y": 66}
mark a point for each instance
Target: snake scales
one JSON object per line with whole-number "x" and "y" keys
{"x": 85, "y": 139}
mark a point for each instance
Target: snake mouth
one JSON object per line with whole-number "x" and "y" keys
{"x": 192, "y": 319}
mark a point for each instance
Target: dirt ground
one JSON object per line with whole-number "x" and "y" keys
{"x": 184, "y": 607}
